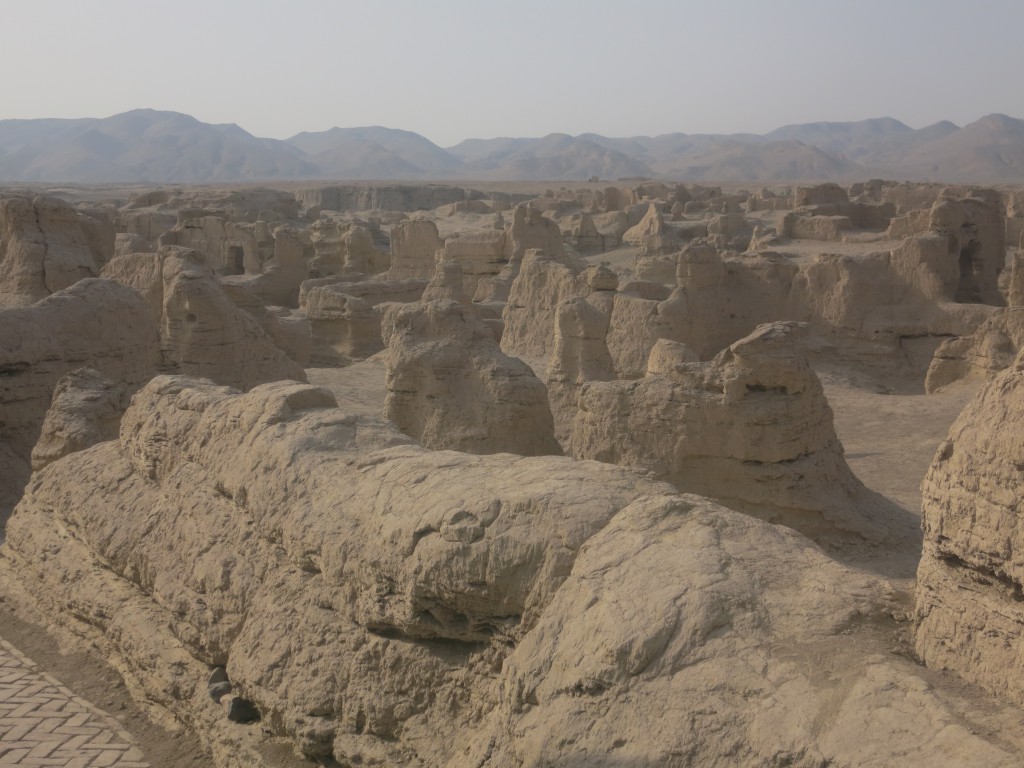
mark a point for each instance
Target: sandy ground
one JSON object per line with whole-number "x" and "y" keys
{"x": 890, "y": 439}
{"x": 358, "y": 388}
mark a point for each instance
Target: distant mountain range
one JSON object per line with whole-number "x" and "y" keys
{"x": 146, "y": 145}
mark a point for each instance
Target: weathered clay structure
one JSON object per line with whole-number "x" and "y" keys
{"x": 414, "y": 247}
{"x": 86, "y": 410}
{"x": 388, "y": 197}
{"x": 345, "y": 318}
{"x": 202, "y": 331}
{"x": 344, "y": 249}
{"x": 969, "y": 613}
{"x": 451, "y": 387}
{"x": 96, "y": 323}
{"x": 751, "y": 428}
{"x": 46, "y": 246}
{"x": 374, "y": 600}
{"x": 570, "y": 487}
{"x": 991, "y": 348}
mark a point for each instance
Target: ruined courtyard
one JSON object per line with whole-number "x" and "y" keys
{"x": 599, "y": 473}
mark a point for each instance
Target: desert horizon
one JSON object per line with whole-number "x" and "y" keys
{"x": 154, "y": 146}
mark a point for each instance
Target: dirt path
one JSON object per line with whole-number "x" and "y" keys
{"x": 890, "y": 439}
{"x": 72, "y": 682}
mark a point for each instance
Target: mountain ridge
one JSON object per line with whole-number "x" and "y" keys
{"x": 158, "y": 146}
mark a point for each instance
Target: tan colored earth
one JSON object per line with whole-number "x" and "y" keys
{"x": 612, "y": 473}
{"x": 889, "y": 440}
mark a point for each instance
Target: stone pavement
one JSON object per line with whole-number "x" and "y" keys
{"x": 43, "y": 723}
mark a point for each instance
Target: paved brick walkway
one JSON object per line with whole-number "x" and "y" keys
{"x": 43, "y": 723}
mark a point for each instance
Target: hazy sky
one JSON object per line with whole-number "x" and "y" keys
{"x": 454, "y": 69}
